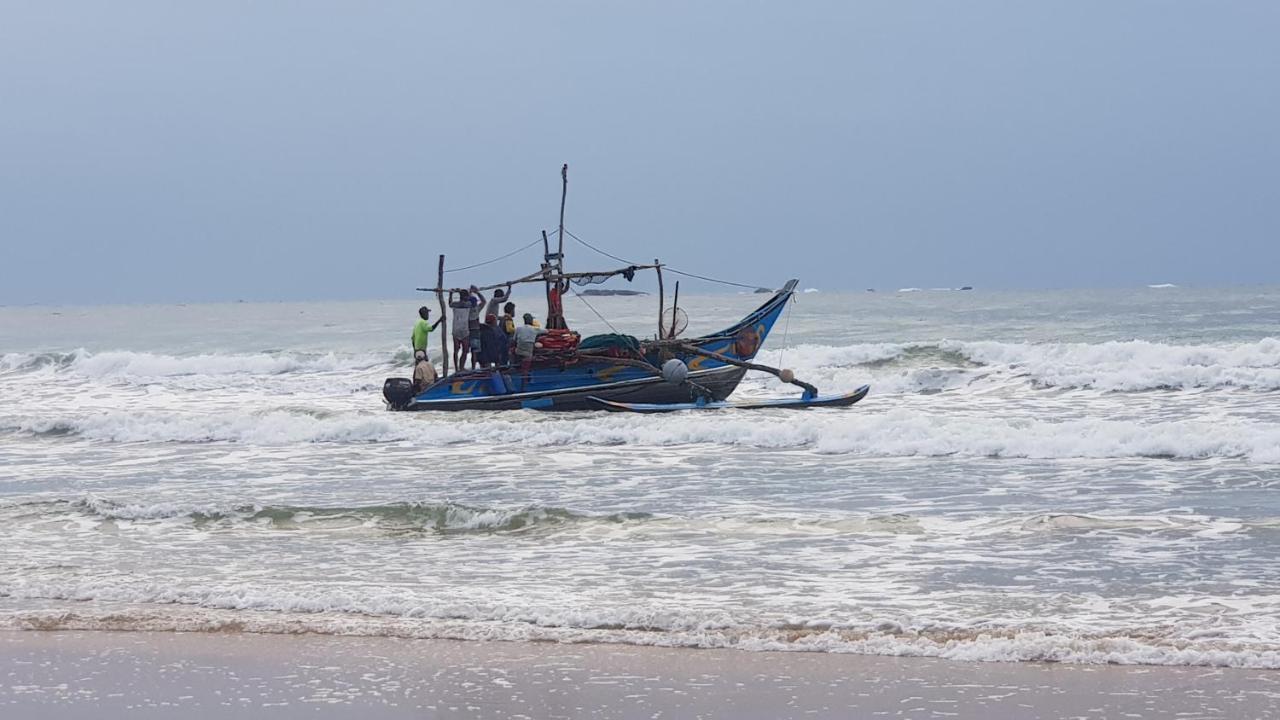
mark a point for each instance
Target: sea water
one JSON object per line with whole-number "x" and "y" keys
{"x": 1073, "y": 476}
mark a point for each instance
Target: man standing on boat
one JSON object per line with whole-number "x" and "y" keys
{"x": 493, "y": 343}
{"x": 422, "y": 329}
{"x": 461, "y": 330}
{"x": 508, "y": 320}
{"x": 473, "y": 324}
{"x": 494, "y": 307}
{"x": 526, "y": 341}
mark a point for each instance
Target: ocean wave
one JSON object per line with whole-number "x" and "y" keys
{"x": 247, "y": 610}
{"x": 1128, "y": 366}
{"x": 447, "y": 517}
{"x": 402, "y": 517}
{"x": 144, "y": 365}
{"x": 924, "y": 367}
{"x": 898, "y": 432}
{"x": 1135, "y": 365}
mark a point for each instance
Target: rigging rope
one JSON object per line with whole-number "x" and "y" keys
{"x": 593, "y": 247}
{"x": 490, "y": 262}
{"x": 584, "y": 302}
{"x": 668, "y": 267}
{"x": 703, "y": 277}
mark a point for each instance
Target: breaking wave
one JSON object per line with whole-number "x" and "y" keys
{"x": 247, "y": 609}
{"x": 143, "y": 365}
{"x": 442, "y": 517}
{"x": 897, "y": 432}
{"x": 1130, "y": 366}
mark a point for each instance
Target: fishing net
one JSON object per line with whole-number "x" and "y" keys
{"x": 610, "y": 341}
{"x": 597, "y": 278}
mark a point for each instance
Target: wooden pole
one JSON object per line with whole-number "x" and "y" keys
{"x": 564, "y": 193}
{"x": 546, "y": 267}
{"x": 444, "y": 319}
{"x": 675, "y": 307}
{"x": 662, "y": 332}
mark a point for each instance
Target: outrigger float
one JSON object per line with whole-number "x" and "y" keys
{"x": 614, "y": 372}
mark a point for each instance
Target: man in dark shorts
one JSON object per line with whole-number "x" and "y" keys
{"x": 473, "y": 325}
{"x": 526, "y": 338}
{"x": 493, "y": 344}
{"x": 461, "y": 306}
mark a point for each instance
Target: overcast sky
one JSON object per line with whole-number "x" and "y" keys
{"x": 162, "y": 151}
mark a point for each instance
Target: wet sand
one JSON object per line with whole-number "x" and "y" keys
{"x": 198, "y": 675}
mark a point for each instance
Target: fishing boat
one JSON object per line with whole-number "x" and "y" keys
{"x": 613, "y": 371}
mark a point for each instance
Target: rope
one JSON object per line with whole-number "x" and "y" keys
{"x": 593, "y": 247}
{"x": 703, "y": 277}
{"x": 668, "y": 267}
{"x": 490, "y": 262}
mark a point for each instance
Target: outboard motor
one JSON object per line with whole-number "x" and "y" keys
{"x": 398, "y": 393}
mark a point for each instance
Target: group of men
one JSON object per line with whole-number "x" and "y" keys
{"x": 488, "y": 344}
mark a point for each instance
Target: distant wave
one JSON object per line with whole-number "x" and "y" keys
{"x": 897, "y": 432}
{"x": 1161, "y": 286}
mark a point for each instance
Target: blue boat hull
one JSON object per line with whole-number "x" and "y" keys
{"x": 570, "y": 383}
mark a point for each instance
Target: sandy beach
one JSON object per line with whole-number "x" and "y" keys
{"x": 117, "y": 675}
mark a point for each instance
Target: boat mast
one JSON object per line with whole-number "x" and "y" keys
{"x": 564, "y": 193}
{"x": 662, "y": 332}
{"x": 555, "y": 298}
{"x": 546, "y": 272}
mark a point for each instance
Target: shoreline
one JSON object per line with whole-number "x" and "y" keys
{"x": 110, "y": 674}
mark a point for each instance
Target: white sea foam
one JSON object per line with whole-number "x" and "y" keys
{"x": 1110, "y": 366}
{"x": 1128, "y": 366}
{"x": 439, "y": 516}
{"x": 1135, "y": 365}
{"x": 128, "y": 364}
{"x": 894, "y": 433}
{"x": 307, "y": 508}
{"x": 247, "y": 609}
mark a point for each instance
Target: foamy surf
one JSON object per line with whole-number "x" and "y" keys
{"x": 1033, "y": 477}
{"x": 114, "y": 365}
{"x": 886, "y": 637}
{"x": 890, "y": 433}
{"x": 1114, "y": 366}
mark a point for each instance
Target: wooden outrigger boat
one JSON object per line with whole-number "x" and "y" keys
{"x": 613, "y": 372}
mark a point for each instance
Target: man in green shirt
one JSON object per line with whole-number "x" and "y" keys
{"x": 423, "y": 328}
